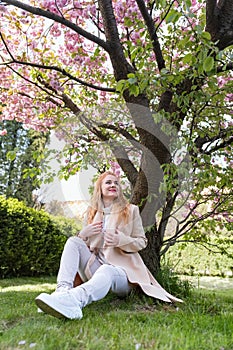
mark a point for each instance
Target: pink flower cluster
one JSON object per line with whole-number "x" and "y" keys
{"x": 3, "y": 132}
{"x": 115, "y": 168}
{"x": 51, "y": 44}
{"x": 54, "y": 6}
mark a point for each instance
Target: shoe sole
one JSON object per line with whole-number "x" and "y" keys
{"x": 47, "y": 305}
{"x": 44, "y": 307}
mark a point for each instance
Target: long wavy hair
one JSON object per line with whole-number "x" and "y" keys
{"x": 120, "y": 204}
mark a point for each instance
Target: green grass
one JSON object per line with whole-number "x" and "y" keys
{"x": 203, "y": 322}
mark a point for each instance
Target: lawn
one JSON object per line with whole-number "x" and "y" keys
{"x": 203, "y": 322}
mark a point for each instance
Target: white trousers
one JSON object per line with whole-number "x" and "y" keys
{"x": 105, "y": 277}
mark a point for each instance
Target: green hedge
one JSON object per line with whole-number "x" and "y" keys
{"x": 192, "y": 259}
{"x": 69, "y": 227}
{"x": 30, "y": 241}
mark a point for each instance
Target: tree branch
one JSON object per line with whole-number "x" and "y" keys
{"x": 47, "y": 14}
{"x": 225, "y": 68}
{"x": 120, "y": 64}
{"x": 206, "y": 245}
{"x": 51, "y": 96}
{"x": 62, "y": 71}
{"x": 201, "y": 141}
{"x": 118, "y": 150}
{"x": 220, "y": 146}
{"x": 152, "y": 32}
{"x": 191, "y": 223}
{"x": 122, "y": 132}
{"x": 54, "y": 68}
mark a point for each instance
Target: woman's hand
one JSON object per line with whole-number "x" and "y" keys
{"x": 111, "y": 238}
{"x": 91, "y": 230}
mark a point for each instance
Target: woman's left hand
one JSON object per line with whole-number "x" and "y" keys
{"x": 111, "y": 238}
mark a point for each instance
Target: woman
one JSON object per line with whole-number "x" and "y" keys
{"x": 104, "y": 255}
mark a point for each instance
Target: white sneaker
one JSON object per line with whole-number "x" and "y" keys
{"x": 60, "y": 305}
{"x": 60, "y": 289}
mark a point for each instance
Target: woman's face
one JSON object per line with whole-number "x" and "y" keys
{"x": 110, "y": 188}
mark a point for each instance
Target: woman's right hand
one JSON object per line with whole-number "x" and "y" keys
{"x": 91, "y": 230}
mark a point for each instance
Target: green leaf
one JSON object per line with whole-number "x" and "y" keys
{"x": 134, "y": 90}
{"x": 188, "y": 59}
{"x": 131, "y": 75}
{"x": 173, "y": 16}
{"x": 121, "y": 84}
{"x": 11, "y": 155}
{"x": 208, "y": 64}
{"x": 206, "y": 35}
{"x": 132, "y": 80}
{"x": 128, "y": 22}
{"x": 143, "y": 85}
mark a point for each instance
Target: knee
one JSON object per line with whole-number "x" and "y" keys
{"x": 103, "y": 273}
{"x": 75, "y": 241}
{"x": 105, "y": 269}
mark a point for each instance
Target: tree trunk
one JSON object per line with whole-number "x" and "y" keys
{"x": 151, "y": 254}
{"x": 147, "y": 188}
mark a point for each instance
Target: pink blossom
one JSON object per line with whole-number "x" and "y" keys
{"x": 3, "y": 8}
{"x": 135, "y": 36}
{"x": 118, "y": 172}
{"x": 115, "y": 168}
{"x": 191, "y": 205}
{"x": 229, "y": 97}
{"x": 222, "y": 81}
{"x": 3, "y": 132}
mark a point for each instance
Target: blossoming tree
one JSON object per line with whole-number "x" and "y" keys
{"x": 146, "y": 83}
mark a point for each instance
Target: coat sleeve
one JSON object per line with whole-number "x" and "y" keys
{"x": 136, "y": 239}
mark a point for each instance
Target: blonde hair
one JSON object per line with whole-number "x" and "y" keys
{"x": 120, "y": 204}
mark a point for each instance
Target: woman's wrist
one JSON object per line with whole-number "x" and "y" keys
{"x": 80, "y": 234}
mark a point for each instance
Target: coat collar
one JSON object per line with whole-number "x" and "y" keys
{"x": 112, "y": 220}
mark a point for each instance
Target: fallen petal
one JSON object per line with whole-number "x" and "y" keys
{"x": 22, "y": 342}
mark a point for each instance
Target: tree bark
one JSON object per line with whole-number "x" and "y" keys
{"x": 219, "y": 22}
{"x": 151, "y": 254}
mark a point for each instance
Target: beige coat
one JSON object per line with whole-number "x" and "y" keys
{"x": 131, "y": 240}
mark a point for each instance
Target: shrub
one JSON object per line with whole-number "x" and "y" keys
{"x": 190, "y": 259}
{"x": 30, "y": 242}
{"x": 173, "y": 283}
{"x": 69, "y": 227}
